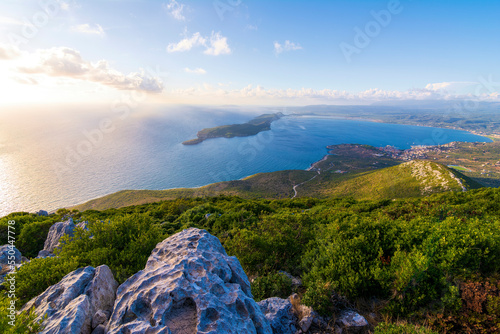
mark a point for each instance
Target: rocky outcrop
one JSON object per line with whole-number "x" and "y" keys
{"x": 42, "y": 213}
{"x": 71, "y": 304}
{"x": 56, "y": 232}
{"x": 280, "y": 315}
{"x": 352, "y": 321}
{"x": 189, "y": 285}
{"x": 7, "y": 251}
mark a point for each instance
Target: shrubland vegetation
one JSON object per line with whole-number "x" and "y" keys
{"x": 431, "y": 260}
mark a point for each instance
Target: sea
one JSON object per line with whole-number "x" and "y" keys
{"x": 54, "y": 158}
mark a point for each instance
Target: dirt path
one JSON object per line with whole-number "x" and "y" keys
{"x": 295, "y": 186}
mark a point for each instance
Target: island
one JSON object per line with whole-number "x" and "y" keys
{"x": 250, "y": 128}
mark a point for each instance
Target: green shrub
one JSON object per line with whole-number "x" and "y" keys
{"x": 389, "y": 328}
{"x": 319, "y": 297}
{"x": 272, "y": 285}
{"x": 32, "y": 238}
{"x": 276, "y": 242}
{"x": 123, "y": 244}
{"x": 20, "y": 323}
{"x": 34, "y": 277}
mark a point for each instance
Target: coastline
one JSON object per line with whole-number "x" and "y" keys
{"x": 310, "y": 168}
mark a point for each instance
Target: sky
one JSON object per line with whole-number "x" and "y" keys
{"x": 243, "y": 52}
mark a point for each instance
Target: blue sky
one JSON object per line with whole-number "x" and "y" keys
{"x": 249, "y": 52}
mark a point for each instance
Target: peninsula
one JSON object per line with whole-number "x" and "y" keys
{"x": 250, "y": 128}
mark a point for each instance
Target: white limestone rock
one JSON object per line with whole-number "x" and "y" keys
{"x": 279, "y": 314}
{"x": 56, "y": 232}
{"x": 70, "y": 304}
{"x": 74, "y": 318}
{"x": 9, "y": 253}
{"x": 189, "y": 285}
{"x": 352, "y": 321}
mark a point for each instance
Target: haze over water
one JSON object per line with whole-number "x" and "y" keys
{"x": 56, "y": 160}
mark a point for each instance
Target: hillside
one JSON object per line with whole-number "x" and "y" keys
{"x": 429, "y": 261}
{"x": 362, "y": 181}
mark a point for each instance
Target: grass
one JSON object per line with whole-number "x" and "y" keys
{"x": 460, "y": 168}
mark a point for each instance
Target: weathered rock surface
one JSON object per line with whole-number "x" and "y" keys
{"x": 44, "y": 253}
{"x": 74, "y": 318}
{"x": 69, "y": 304}
{"x": 279, "y": 314}
{"x": 99, "y": 330}
{"x": 189, "y": 285}
{"x": 102, "y": 290}
{"x": 99, "y": 318}
{"x": 352, "y": 321}
{"x": 56, "y": 232}
{"x": 43, "y": 213}
{"x": 8, "y": 250}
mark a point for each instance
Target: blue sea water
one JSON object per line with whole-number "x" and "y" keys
{"x": 71, "y": 159}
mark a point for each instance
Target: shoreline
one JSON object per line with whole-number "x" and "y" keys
{"x": 311, "y": 166}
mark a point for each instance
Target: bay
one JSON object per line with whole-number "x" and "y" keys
{"x": 63, "y": 159}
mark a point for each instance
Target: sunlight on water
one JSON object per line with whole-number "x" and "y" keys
{"x": 62, "y": 160}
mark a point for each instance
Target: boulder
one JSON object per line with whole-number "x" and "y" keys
{"x": 7, "y": 251}
{"x": 352, "y": 321}
{"x": 69, "y": 305}
{"x": 44, "y": 253}
{"x": 42, "y": 213}
{"x": 101, "y": 329}
{"x": 102, "y": 290}
{"x": 279, "y": 314}
{"x": 99, "y": 318}
{"x": 73, "y": 318}
{"x": 189, "y": 285}
{"x": 56, "y": 231}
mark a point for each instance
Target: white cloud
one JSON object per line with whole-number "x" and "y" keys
{"x": 218, "y": 45}
{"x": 9, "y": 52}
{"x": 259, "y": 94}
{"x": 453, "y": 86}
{"x": 66, "y": 62}
{"x": 288, "y": 46}
{"x": 175, "y": 9}
{"x": 195, "y": 71}
{"x": 87, "y": 29}
{"x": 187, "y": 43}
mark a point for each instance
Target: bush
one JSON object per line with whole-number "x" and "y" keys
{"x": 389, "y": 328}
{"x": 276, "y": 242}
{"x": 32, "y": 238}
{"x": 34, "y": 277}
{"x": 24, "y": 322}
{"x": 123, "y": 244}
{"x": 272, "y": 285}
{"x": 319, "y": 297}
